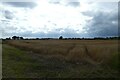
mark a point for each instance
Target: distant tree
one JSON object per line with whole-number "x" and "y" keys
{"x": 8, "y": 38}
{"x": 83, "y": 38}
{"x": 60, "y": 37}
{"x": 21, "y": 38}
{"x": 37, "y": 38}
{"x": 17, "y": 38}
{"x": 14, "y": 37}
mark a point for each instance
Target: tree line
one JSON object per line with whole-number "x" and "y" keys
{"x": 61, "y": 38}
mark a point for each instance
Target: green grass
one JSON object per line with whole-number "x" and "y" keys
{"x": 20, "y": 63}
{"x": 115, "y": 61}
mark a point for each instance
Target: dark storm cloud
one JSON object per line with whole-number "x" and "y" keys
{"x": 8, "y": 14}
{"x": 22, "y": 4}
{"x": 102, "y": 24}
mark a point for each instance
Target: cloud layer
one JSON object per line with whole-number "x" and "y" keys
{"x": 104, "y": 22}
{"x": 21, "y": 4}
{"x": 52, "y": 19}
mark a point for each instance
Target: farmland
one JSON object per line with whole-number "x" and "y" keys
{"x": 60, "y": 58}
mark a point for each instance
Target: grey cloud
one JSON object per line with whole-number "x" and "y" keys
{"x": 105, "y": 20}
{"x": 53, "y": 34}
{"x": 66, "y": 32}
{"x": 8, "y": 14}
{"x": 119, "y": 17}
{"x": 22, "y": 4}
{"x": 103, "y": 24}
{"x": 66, "y": 3}
{"x": 54, "y": 1}
{"x": 74, "y": 4}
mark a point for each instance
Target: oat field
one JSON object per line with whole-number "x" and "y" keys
{"x": 60, "y": 59}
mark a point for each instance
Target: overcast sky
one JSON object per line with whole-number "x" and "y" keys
{"x": 51, "y": 18}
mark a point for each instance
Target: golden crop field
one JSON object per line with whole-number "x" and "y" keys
{"x": 98, "y": 51}
{"x": 78, "y": 52}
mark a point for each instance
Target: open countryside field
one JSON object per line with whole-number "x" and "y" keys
{"x": 60, "y": 59}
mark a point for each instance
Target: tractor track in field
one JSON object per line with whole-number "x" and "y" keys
{"x": 71, "y": 48}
